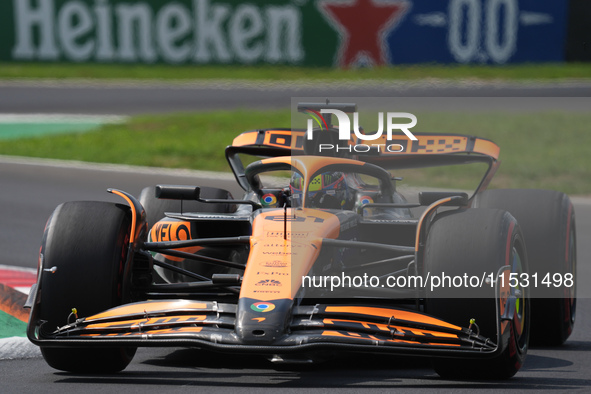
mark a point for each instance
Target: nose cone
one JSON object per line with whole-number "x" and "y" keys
{"x": 262, "y": 322}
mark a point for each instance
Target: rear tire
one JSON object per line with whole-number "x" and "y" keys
{"x": 87, "y": 242}
{"x": 474, "y": 242}
{"x": 547, "y": 220}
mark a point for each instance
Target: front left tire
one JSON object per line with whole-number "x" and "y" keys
{"x": 87, "y": 243}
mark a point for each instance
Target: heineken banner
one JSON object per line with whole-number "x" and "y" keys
{"x": 340, "y": 33}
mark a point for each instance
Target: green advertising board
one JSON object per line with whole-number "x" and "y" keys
{"x": 177, "y": 32}
{"x": 290, "y": 32}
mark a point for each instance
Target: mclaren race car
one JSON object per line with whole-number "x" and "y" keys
{"x": 325, "y": 253}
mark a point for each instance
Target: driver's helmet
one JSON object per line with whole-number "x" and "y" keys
{"x": 326, "y": 190}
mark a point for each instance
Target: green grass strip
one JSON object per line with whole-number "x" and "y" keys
{"x": 10, "y": 131}
{"x": 10, "y": 326}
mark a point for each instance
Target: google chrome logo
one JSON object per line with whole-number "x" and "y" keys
{"x": 269, "y": 199}
{"x": 262, "y": 307}
{"x": 366, "y": 200}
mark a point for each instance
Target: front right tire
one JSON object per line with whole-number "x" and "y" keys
{"x": 547, "y": 219}
{"x": 477, "y": 243}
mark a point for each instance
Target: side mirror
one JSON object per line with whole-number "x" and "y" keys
{"x": 178, "y": 192}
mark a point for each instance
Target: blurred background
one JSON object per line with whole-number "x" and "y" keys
{"x": 127, "y": 94}
{"x": 171, "y": 83}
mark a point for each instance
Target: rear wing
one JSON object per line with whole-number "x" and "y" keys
{"x": 430, "y": 149}
{"x": 291, "y": 142}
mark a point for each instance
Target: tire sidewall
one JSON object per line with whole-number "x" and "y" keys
{"x": 547, "y": 220}
{"x": 473, "y": 242}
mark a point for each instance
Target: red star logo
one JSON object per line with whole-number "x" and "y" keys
{"x": 363, "y": 26}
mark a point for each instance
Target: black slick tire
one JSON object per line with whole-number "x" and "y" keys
{"x": 473, "y": 243}
{"x": 547, "y": 220}
{"x": 87, "y": 244}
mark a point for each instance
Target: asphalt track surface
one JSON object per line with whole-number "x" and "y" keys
{"x": 127, "y": 98}
{"x": 30, "y": 191}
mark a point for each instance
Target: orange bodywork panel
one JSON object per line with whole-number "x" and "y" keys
{"x": 245, "y": 139}
{"x": 486, "y": 147}
{"x": 173, "y": 230}
{"x": 288, "y": 139}
{"x": 387, "y": 328}
{"x": 153, "y": 307}
{"x": 144, "y": 323}
{"x": 175, "y": 330}
{"x": 346, "y": 334}
{"x": 397, "y": 314}
{"x": 276, "y": 265}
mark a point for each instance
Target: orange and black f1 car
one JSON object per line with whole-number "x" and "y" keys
{"x": 326, "y": 252}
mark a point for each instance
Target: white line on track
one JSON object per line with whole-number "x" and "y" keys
{"x": 580, "y": 200}
{"x": 17, "y": 348}
{"x": 21, "y": 269}
{"x": 4, "y": 159}
{"x": 61, "y": 118}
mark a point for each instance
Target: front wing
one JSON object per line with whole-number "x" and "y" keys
{"x": 313, "y": 328}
